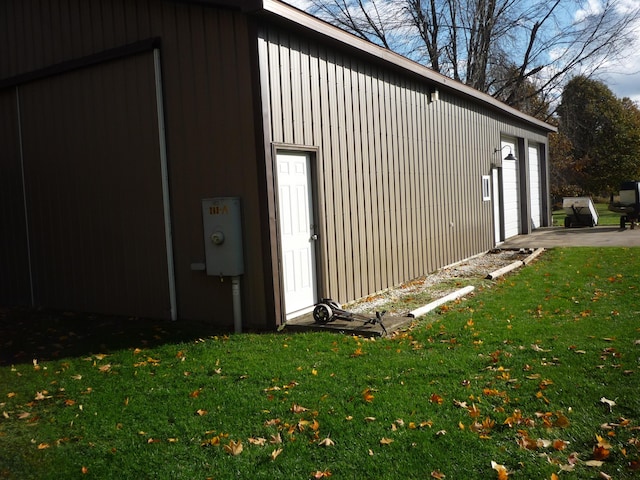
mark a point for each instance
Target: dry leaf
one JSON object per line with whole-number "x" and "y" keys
{"x": 327, "y": 442}
{"x": 438, "y": 475}
{"x": 42, "y": 395}
{"x": 594, "y": 463}
{"x": 258, "y": 441}
{"x": 201, "y": 412}
{"x": 295, "y": 408}
{"x": 43, "y": 446}
{"x": 275, "y": 453}
{"x": 501, "y": 469}
{"x": 386, "y": 441}
{"x": 321, "y": 474}
{"x": 234, "y": 448}
{"x": 369, "y": 419}
{"x": 609, "y": 403}
{"x": 367, "y": 395}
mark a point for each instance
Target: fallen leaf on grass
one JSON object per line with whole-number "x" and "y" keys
{"x": 367, "y": 395}
{"x": 258, "y": 441}
{"x": 234, "y": 448}
{"x": 43, "y": 446}
{"x": 295, "y": 408}
{"x": 609, "y": 403}
{"x": 503, "y": 474}
{"x": 275, "y": 453}
{"x": 386, "y": 441}
{"x": 535, "y": 347}
{"x": 327, "y": 442}
{"x": 437, "y": 474}
{"x": 42, "y": 395}
{"x": 321, "y": 474}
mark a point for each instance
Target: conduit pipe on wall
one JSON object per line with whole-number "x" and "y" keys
{"x": 237, "y": 303}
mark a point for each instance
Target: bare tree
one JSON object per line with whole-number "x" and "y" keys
{"x": 501, "y": 47}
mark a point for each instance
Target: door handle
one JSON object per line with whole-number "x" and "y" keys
{"x": 314, "y": 237}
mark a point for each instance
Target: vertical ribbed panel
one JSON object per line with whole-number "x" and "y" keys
{"x": 14, "y": 262}
{"x": 400, "y": 173}
{"x": 205, "y": 55}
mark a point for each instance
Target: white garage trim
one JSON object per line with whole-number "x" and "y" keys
{"x": 511, "y": 193}
{"x": 535, "y": 186}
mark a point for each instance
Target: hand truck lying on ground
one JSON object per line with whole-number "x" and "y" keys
{"x": 328, "y": 310}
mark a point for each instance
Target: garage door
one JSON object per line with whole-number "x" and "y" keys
{"x": 511, "y": 193}
{"x": 94, "y": 190}
{"x": 534, "y": 187}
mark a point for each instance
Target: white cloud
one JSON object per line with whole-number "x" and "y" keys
{"x": 593, "y": 7}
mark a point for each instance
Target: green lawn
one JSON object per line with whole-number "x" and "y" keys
{"x": 605, "y": 216}
{"x": 538, "y": 373}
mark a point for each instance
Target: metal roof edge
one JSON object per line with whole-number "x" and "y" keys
{"x": 307, "y": 21}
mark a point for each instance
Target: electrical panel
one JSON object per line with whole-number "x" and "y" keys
{"x": 222, "y": 221}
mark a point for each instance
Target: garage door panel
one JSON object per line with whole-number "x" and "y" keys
{"x": 94, "y": 190}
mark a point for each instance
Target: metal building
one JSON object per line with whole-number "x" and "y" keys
{"x": 191, "y": 159}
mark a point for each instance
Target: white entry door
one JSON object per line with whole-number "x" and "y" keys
{"x": 295, "y": 211}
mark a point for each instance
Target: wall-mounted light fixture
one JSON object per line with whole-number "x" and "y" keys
{"x": 509, "y": 156}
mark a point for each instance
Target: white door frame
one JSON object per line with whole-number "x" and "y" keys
{"x": 496, "y": 200}
{"x": 297, "y": 233}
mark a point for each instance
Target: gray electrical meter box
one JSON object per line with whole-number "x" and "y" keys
{"x": 222, "y": 221}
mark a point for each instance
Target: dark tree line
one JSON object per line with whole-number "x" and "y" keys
{"x": 598, "y": 142}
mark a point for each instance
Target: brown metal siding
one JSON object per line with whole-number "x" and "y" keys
{"x": 400, "y": 174}
{"x": 93, "y": 187}
{"x": 208, "y": 101}
{"x": 14, "y": 263}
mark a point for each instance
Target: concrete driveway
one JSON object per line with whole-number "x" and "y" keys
{"x": 601, "y": 236}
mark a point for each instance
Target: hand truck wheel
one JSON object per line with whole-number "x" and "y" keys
{"x": 322, "y": 313}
